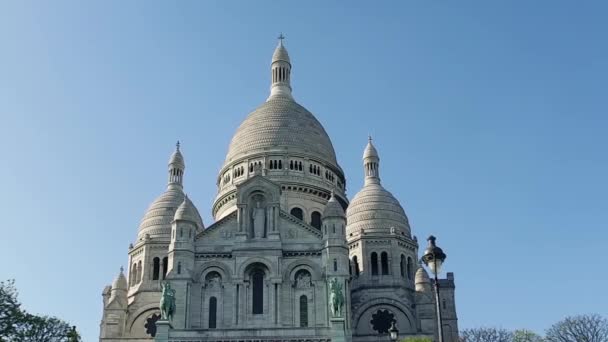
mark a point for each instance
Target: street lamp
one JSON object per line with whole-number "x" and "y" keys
{"x": 434, "y": 257}
{"x": 393, "y": 332}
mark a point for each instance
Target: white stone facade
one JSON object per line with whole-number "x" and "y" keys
{"x": 284, "y": 232}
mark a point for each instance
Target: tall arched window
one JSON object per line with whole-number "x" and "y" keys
{"x": 356, "y": 265}
{"x": 335, "y": 265}
{"x": 179, "y": 267}
{"x": 139, "y": 272}
{"x": 212, "y": 312}
{"x": 315, "y": 219}
{"x": 384, "y": 261}
{"x": 410, "y": 269}
{"x": 134, "y": 274}
{"x": 374, "y": 262}
{"x": 257, "y": 280}
{"x": 303, "y": 311}
{"x": 297, "y": 212}
{"x": 402, "y": 266}
{"x": 155, "y": 268}
{"x": 165, "y": 266}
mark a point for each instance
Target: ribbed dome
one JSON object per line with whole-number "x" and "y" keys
{"x": 422, "y": 281}
{"x": 177, "y": 159}
{"x": 376, "y": 210}
{"x": 370, "y": 150}
{"x": 281, "y": 124}
{"x": 187, "y": 211}
{"x": 158, "y": 217}
{"x": 280, "y": 54}
{"x": 333, "y": 208}
{"x": 120, "y": 283}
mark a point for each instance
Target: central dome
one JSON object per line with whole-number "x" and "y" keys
{"x": 280, "y": 124}
{"x": 284, "y": 142}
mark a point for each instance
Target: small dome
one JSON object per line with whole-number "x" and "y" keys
{"x": 280, "y": 54}
{"x": 120, "y": 283}
{"x": 370, "y": 151}
{"x": 375, "y": 209}
{"x": 187, "y": 212}
{"x": 158, "y": 217}
{"x": 177, "y": 159}
{"x": 422, "y": 280}
{"x": 333, "y": 208}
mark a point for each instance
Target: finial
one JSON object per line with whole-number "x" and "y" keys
{"x": 280, "y": 38}
{"x": 121, "y": 269}
{"x": 177, "y": 145}
{"x": 369, "y": 138}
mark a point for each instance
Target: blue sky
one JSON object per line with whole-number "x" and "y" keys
{"x": 489, "y": 116}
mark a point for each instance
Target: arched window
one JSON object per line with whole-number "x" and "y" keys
{"x": 139, "y": 272}
{"x": 155, "y": 268}
{"x": 356, "y": 265}
{"x": 280, "y": 165}
{"x": 212, "y": 312}
{"x": 335, "y": 265}
{"x": 303, "y": 311}
{"x": 179, "y": 267}
{"x": 165, "y": 266}
{"x": 384, "y": 261}
{"x": 257, "y": 280}
{"x": 402, "y": 266}
{"x": 374, "y": 262}
{"x": 315, "y": 219}
{"x": 410, "y": 269}
{"x": 297, "y": 212}
{"x": 134, "y": 274}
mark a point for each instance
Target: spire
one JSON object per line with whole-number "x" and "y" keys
{"x": 280, "y": 71}
{"x": 176, "y": 167}
{"x": 371, "y": 163}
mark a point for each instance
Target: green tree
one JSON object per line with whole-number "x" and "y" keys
{"x": 486, "y": 335}
{"x": 581, "y": 328}
{"x": 16, "y": 325}
{"x": 525, "y": 335}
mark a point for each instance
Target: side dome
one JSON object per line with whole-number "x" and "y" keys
{"x": 187, "y": 212}
{"x": 374, "y": 209}
{"x": 281, "y": 124}
{"x": 158, "y": 218}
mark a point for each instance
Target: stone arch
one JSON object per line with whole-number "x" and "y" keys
{"x": 384, "y": 302}
{"x": 144, "y": 310}
{"x": 256, "y": 260}
{"x": 303, "y": 210}
{"x": 210, "y": 266}
{"x": 299, "y": 264}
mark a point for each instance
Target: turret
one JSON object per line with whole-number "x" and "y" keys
{"x": 186, "y": 223}
{"x": 280, "y": 72}
{"x": 115, "y": 307}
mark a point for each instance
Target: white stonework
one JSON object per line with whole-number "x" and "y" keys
{"x": 284, "y": 244}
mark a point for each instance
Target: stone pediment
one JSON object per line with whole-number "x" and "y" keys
{"x": 292, "y": 229}
{"x": 222, "y": 230}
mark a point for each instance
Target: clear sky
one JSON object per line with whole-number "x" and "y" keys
{"x": 489, "y": 116}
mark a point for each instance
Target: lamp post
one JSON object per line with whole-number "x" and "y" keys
{"x": 434, "y": 257}
{"x": 393, "y": 332}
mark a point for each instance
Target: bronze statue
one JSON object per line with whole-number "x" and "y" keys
{"x": 167, "y": 301}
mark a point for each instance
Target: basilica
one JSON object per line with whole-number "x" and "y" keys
{"x": 289, "y": 257}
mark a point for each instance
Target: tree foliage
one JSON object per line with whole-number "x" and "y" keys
{"x": 17, "y": 325}
{"x": 486, "y": 335}
{"x": 524, "y": 335}
{"x": 581, "y": 328}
